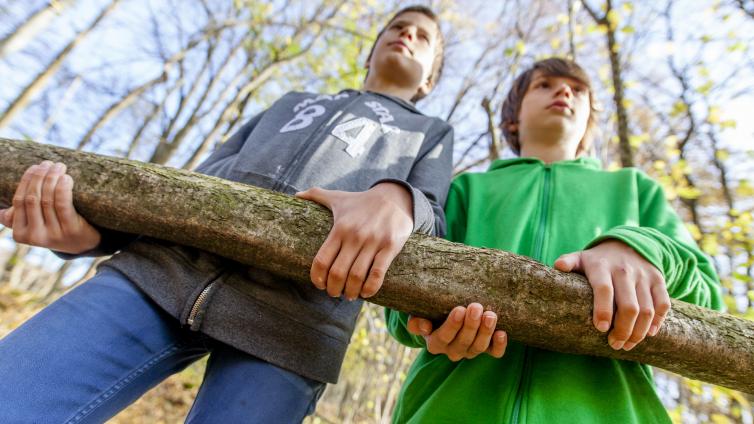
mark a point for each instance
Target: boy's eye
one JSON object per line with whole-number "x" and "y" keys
{"x": 543, "y": 84}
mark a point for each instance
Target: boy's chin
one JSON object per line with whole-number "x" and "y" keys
{"x": 557, "y": 124}
{"x": 401, "y": 70}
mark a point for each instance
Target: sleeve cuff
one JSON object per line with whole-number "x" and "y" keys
{"x": 397, "y": 323}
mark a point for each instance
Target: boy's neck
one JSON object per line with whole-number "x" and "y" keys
{"x": 549, "y": 152}
{"x": 390, "y": 88}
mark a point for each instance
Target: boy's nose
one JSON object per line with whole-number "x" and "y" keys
{"x": 408, "y": 32}
{"x": 565, "y": 89}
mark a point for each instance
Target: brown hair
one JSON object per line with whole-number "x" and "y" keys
{"x": 553, "y": 66}
{"x": 437, "y": 64}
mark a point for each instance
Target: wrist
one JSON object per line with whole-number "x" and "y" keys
{"x": 396, "y": 194}
{"x": 91, "y": 242}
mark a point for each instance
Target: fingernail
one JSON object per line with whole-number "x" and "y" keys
{"x": 653, "y": 330}
{"x": 603, "y": 326}
{"x": 617, "y": 344}
{"x": 628, "y": 346}
{"x": 46, "y": 164}
{"x": 489, "y": 321}
{"x": 58, "y": 167}
{"x": 458, "y": 315}
{"x": 424, "y": 328}
{"x": 476, "y": 314}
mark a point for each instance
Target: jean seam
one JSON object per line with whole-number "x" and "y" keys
{"x": 115, "y": 388}
{"x": 315, "y": 399}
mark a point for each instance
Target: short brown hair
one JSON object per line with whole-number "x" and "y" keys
{"x": 437, "y": 64}
{"x": 557, "y": 67}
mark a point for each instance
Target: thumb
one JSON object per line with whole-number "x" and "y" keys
{"x": 570, "y": 262}
{"x": 419, "y": 326}
{"x": 319, "y": 195}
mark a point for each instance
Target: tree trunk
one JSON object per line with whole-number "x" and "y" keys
{"x": 495, "y": 145}
{"x": 14, "y": 262}
{"x": 536, "y": 305}
{"x": 616, "y": 68}
{"x": 36, "y": 22}
{"x": 394, "y": 386}
{"x": 40, "y": 81}
{"x": 571, "y": 33}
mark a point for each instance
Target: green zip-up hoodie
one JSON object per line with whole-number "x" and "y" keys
{"x": 542, "y": 211}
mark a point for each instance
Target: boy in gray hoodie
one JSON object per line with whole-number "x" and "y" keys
{"x": 380, "y": 165}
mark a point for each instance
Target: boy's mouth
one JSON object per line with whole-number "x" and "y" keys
{"x": 559, "y": 104}
{"x": 401, "y": 43}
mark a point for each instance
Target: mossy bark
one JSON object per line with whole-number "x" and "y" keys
{"x": 536, "y": 305}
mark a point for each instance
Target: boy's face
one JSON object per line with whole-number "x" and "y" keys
{"x": 554, "y": 105}
{"x": 405, "y": 52}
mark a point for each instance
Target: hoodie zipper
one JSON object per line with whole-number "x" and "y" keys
{"x": 537, "y": 254}
{"x": 543, "y": 216}
{"x": 198, "y": 304}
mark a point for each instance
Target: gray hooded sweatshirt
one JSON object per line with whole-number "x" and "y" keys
{"x": 348, "y": 141}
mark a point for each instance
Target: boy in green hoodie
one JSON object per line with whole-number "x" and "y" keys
{"x": 560, "y": 208}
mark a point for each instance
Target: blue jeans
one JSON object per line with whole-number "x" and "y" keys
{"x": 100, "y": 347}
